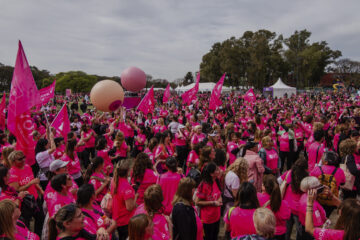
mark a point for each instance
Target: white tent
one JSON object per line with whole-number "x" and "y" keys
{"x": 279, "y": 89}
{"x": 203, "y": 87}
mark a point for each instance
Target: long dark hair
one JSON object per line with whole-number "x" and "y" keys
{"x": 66, "y": 213}
{"x": 3, "y": 172}
{"x": 246, "y": 197}
{"x": 272, "y": 188}
{"x": 84, "y": 194}
{"x": 95, "y": 163}
{"x": 70, "y": 148}
{"x": 41, "y": 145}
{"x": 349, "y": 219}
{"x": 142, "y": 162}
{"x": 298, "y": 173}
{"x": 207, "y": 171}
{"x": 58, "y": 181}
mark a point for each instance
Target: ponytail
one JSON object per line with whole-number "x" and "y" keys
{"x": 272, "y": 188}
{"x": 52, "y": 229}
{"x": 95, "y": 163}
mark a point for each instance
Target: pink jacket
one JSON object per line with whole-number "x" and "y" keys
{"x": 256, "y": 169}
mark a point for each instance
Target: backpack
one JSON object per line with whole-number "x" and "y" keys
{"x": 330, "y": 181}
{"x": 195, "y": 175}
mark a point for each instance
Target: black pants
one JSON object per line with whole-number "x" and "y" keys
{"x": 38, "y": 216}
{"x": 130, "y": 142}
{"x": 280, "y": 237}
{"x": 35, "y": 168}
{"x": 123, "y": 232}
{"x": 303, "y": 235}
{"x": 289, "y": 225}
{"x": 86, "y": 155}
{"x": 44, "y": 184}
{"x": 328, "y": 210}
{"x": 289, "y": 157}
{"x": 211, "y": 231}
{"x": 182, "y": 153}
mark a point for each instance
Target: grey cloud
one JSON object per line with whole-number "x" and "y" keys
{"x": 166, "y": 38}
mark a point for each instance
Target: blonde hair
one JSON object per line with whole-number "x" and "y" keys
{"x": 119, "y": 138}
{"x": 347, "y": 147}
{"x": 264, "y": 141}
{"x": 265, "y": 222}
{"x": 240, "y": 168}
{"x": 318, "y": 126}
{"x": 15, "y": 155}
{"x": 184, "y": 191}
{"x": 7, "y": 208}
{"x": 5, "y": 156}
{"x": 309, "y": 183}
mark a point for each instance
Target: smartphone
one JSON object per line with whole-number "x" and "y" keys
{"x": 320, "y": 189}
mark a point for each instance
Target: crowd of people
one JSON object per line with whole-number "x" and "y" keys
{"x": 267, "y": 169}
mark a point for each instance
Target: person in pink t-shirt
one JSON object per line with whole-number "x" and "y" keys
{"x": 74, "y": 167}
{"x": 10, "y": 226}
{"x": 94, "y": 175}
{"x": 208, "y": 198}
{"x": 271, "y": 198}
{"x": 94, "y": 217}
{"x": 103, "y": 151}
{"x": 61, "y": 183}
{"x": 347, "y": 226}
{"x": 124, "y": 200}
{"x": 169, "y": 182}
{"x": 316, "y": 150}
{"x": 141, "y": 227}
{"x": 120, "y": 147}
{"x": 152, "y": 206}
{"x": 243, "y": 212}
{"x": 68, "y": 223}
{"x": 318, "y": 213}
{"x": 142, "y": 176}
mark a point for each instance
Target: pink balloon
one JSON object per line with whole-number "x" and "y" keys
{"x": 133, "y": 79}
{"x": 107, "y": 95}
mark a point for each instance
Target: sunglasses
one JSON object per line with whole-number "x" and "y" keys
{"x": 21, "y": 159}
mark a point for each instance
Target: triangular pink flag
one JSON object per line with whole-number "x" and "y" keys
{"x": 215, "y": 100}
{"x": 2, "y": 112}
{"x": 190, "y": 94}
{"x": 46, "y": 94}
{"x": 166, "y": 96}
{"x": 250, "y": 96}
{"x": 147, "y": 104}
{"x": 23, "y": 96}
{"x": 61, "y": 122}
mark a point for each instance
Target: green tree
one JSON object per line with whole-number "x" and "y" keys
{"x": 77, "y": 81}
{"x": 188, "y": 79}
{"x": 307, "y": 62}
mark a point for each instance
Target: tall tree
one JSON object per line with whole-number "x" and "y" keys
{"x": 188, "y": 79}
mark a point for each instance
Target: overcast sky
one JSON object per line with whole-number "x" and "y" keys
{"x": 165, "y": 38}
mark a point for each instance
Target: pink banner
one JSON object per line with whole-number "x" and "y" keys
{"x": 215, "y": 100}
{"x": 2, "y": 112}
{"x": 147, "y": 104}
{"x": 68, "y": 92}
{"x": 47, "y": 93}
{"x": 190, "y": 94}
{"x": 166, "y": 96}
{"x": 250, "y": 96}
{"x": 61, "y": 122}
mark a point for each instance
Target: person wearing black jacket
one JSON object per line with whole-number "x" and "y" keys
{"x": 347, "y": 150}
{"x": 184, "y": 216}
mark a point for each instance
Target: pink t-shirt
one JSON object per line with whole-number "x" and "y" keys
{"x": 282, "y": 215}
{"x": 319, "y": 215}
{"x": 180, "y": 140}
{"x": 57, "y": 202}
{"x": 23, "y": 232}
{"x": 124, "y": 192}
{"x": 93, "y": 220}
{"x": 328, "y": 234}
{"x": 207, "y": 192}
{"x": 149, "y": 179}
{"x": 315, "y": 152}
{"x": 240, "y": 222}
{"x": 169, "y": 182}
{"x": 339, "y": 174}
{"x": 284, "y": 142}
{"x": 23, "y": 177}
{"x": 290, "y": 196}
{"x": 122, "y": 151}
{"x": 74, "y": 165}
{"x": 49, "y": 191}
{"x": 272, "y": 158}
{"x": 94, "y": 180}
{"x": 230, "y": 147}
{"x": 197, "y": 138}
{"x": 91, "y": 142}
{"x": 161, "y": 227}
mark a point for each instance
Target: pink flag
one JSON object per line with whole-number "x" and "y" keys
{"x": 147, "y": 104}
{"x": 190, "y": 94}
{"x": 23, "y": 96}
{"x": 215, "y": 100}
{"x": 61, "y": 122}
{"x": 68, "y": 92}
{"x": 250, "y": 96}
{"x": 2, "y": 112}
{"x": 46, "y": 94}
{"x": 166, "y": 96}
